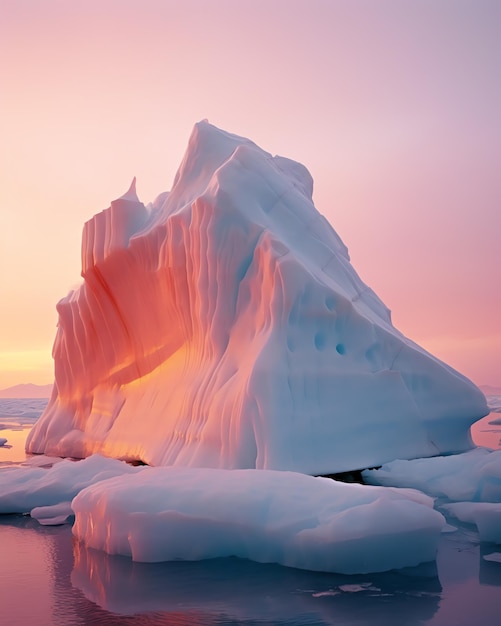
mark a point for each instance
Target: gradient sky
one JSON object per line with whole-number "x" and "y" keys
{"x": 393, "y": 105}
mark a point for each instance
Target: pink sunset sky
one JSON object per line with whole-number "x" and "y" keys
{"x": 393, "y": 105}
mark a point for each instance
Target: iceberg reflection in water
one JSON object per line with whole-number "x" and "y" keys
{"x": 89, "y": 587}
{"x": 242, "y": 591}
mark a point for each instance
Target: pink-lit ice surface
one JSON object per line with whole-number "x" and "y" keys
{"x": 223, "y": 326}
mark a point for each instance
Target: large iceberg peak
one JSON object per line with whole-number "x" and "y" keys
{"x": 224, "y": 326}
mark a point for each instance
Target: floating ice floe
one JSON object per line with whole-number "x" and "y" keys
{"x": 165, "y": 514}
{"x": 471, "y": 480}
{"x": 471, "y": 476}
{"x": 494, "y": 404}
{"x": 53, "y": 515}
{"x": 24, "y": 488}
{"x": 486, "y": 516}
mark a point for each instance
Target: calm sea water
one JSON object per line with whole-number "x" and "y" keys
{"x": 47, "y": 579}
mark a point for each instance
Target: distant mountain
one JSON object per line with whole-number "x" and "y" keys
{"x": 489, "y": 390}
{"x": 27, "y": 390}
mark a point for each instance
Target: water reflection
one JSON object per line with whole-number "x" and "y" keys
{"x": 12, "y": 452}
{"x": 70, "y": 585}
{"x": 24, "y": 565}
{"x": 243, "y": 591}
{"x": 486, "y": 433}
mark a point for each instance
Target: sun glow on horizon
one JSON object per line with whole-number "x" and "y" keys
{"x": 393, "y": 109}
{"x": 26, "y": 366}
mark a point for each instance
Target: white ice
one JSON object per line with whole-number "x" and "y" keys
{"x": 471, "y": 476}
{"x": 494, "y": 403}
{"x": 24, "y": 488}
{"x": 472, "y": 481}
{"x": 224, "y": 326}
{"x": 54, "y": 514}
{"x": 164, "y": 514}
{"x": 486, "y": 516}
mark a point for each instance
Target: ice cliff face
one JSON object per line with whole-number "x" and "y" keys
{"x": 223, "y": 326}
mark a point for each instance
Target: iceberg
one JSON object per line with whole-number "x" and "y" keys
{"x": 223, "y": 326}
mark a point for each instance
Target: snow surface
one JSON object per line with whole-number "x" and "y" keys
{"x": 223, "y": 326}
